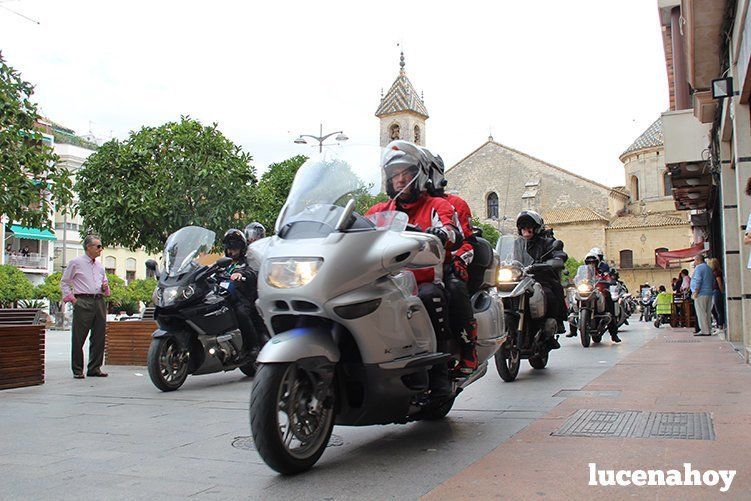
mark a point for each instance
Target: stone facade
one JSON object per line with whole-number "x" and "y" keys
{"x": 410, "y": 126}
{"x": 520, "y": 182}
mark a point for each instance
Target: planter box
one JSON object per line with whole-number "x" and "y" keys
{"x": 128, "y": 342}
{"x": 21, "y": 348}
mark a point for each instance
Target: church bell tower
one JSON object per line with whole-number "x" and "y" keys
{"x": 402, "y": 111}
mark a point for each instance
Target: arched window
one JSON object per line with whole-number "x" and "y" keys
{"x": 110, "y": 263}
{"x": 394, "y": 132}
{"x": 668, "y": 182}
{"x": 634, "y": 188}
{"x": 492, "y": 203}
{"x": 417, "y": 134}
{"x": 659, "y": 249}
{"x": 627, "y": 258}
{"x": 130, "y": 270}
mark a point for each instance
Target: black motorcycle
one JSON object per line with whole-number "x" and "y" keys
{"x": 528, "y": 329}
{"x": 198, "y": 330}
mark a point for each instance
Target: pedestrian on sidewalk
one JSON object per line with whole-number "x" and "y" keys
{"x": 718, "y": 299}
{"x": 84, "y": 283}
{"x": 702, "y": 293}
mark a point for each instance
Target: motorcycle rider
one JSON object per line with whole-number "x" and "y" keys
{"x": 406, "y": 171}
{"x": 546, "y": 250}
{"x": 456, "y": 275}
{"x": 591, "y": 260}
{"x": 605, "y": 279}
{"x": 602, "y": 266}
{"x": 243, "y": 289}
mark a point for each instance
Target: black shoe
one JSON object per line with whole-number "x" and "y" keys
{"x": 561, "y": 328}
{"x": 625, "y": 322}
{"x": 554, "y": 344}
{"x": 615, "y": 338}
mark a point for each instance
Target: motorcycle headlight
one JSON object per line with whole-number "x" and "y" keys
{"x": 584, "y": 288}
{"x": 169, "y": 295}
{"x": 507, "y": 274}
{"x": 288, "y": 273}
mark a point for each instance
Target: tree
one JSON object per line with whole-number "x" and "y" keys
{"x": 136, "y": 192}
{"x": 31, "y": 183}
{"x": 50, "y": 289}
{"x": 489, "y": 232}
{"x": 14, "y": 286}
{"x": 571, "y": 265}
{"x": 118, "y": 291}
{"x": 142, "y": 290}
{"x": 272, "y": 190}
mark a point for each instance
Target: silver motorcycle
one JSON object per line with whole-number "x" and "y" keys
{"x": 351, "y": 341}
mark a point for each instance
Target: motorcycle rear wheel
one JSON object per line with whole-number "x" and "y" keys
{"x": 507, "y": 362}
{"x": 286, "y": 389}
{"x": 435, "y": 412}
{"x": 539, "y": 362}
{"x": 249, "y": 369}
{"x": 584, "y": 326}
{"x": 596, "y": 339}
{"x": 167, "y": 365}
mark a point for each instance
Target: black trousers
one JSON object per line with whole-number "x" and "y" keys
{"x": 251, "y": 324}
{"x": 555, "y": 304}
{"x": 461, "y": 315}
{"x": 89, "y": 314}
{"x": 433, "y": 297}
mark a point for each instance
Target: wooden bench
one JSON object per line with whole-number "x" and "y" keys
{"x": 21, "y": 347}
{"x": 127, "y": 342}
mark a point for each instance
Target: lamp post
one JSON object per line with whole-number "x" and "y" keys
{"x": 320, "y": 138}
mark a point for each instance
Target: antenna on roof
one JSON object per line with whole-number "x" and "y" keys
{"x": 18, "y": 13}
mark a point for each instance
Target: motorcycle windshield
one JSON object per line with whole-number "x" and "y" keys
{"x": 326, "y": 182}
{"x": 184, "y": 247}
{"x": 584, "y": 274}
{"x": 513, "y": 249}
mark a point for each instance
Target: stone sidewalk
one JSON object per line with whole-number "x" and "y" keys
{"x": 673, "y": 373}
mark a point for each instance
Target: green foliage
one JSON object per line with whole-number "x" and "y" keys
{"x": 136, "y": 192}
{"x": 14, "y": 286}
{"x": 365, "y": 201}
{"x": 489, "y": 232}
{"x": 34, "y": 304}
{"x": 50, "y": 288}
{"x": 272, "y": 191}
{"x": 571, "y": 265}
{"x": 118, "y": 290}
{"x": 142, "y": 290}
{"x": 128, "y": 306}
{"x": 30, "y": 181}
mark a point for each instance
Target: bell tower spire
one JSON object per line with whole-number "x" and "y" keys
{"x": 402, "y": 111}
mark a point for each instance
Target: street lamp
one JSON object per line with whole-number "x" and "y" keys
{"x": 321, "y": 138}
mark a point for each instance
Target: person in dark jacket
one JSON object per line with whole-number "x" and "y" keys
{"x": 547, "y": 250}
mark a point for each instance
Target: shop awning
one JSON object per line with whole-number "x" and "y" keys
{"x": 32, "y": 233}
{"x": 663, "y": 258}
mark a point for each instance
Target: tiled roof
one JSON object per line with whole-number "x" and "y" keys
{"x": 402, "y": 96}
{"x": 622, "y": 190}
{"x": 649, "y": 221}
{"x": 572, "y": 215}
{"x": 650, "y": 138}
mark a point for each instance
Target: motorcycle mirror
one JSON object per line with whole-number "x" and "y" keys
{"x": 223, "y": 262}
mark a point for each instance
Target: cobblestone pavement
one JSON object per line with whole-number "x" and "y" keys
{"x": 121, "y": 438}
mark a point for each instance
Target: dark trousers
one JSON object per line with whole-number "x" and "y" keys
{"x": 89, "y": 314}
{"x": 719, "y": 308}
{"x": 434, "y": 299}
{"x": 461, "y": 316}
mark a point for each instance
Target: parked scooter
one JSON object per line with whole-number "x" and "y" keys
{"x": 589, "y": 313}
{"x": 528, "y": 329}
{"x": 351, "y": 341}
{"x": 198, "y": 331}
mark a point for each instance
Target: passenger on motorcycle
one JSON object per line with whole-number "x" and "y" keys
{"x": 456, "y": 275}
{"x": 406, "y": 171}
{"x": 604, "y": 281}
{"x": 546, "y": 250}
{"x": 243, "y": 290}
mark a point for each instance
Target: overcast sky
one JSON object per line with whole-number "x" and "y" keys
{"x": 570, "y": 82}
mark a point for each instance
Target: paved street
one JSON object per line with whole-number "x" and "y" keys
{"x": 121, "y": 438}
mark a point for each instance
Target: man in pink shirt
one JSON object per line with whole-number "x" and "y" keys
{"x": 84, "y": 283}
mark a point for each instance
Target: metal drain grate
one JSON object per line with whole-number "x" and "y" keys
{"x": 638, "y": 424}
{"x": 246, "y": 443}
{"x": 672, "y": 340}
{"x": 588, "y": 393}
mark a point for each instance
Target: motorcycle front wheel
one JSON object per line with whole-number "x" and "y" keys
{"x": 507, "y": 362}
{"x": 291, "y": 416}
{"x": 584, "y": 326}
{"x": 167, "y": 363}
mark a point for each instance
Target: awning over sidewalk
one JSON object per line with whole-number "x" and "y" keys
{"x": 32, "y": 233}
{"x": 663, "y": 258}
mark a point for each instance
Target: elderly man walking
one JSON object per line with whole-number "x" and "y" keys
{"x": 84, "y": 283}
{"x": 702, "y": 290}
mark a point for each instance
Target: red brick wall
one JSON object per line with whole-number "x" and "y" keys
{"x": 668, "y": 46}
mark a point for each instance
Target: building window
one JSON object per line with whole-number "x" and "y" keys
{"x": 417, "y": 134}
{"x": 492, "y": 206}
{"x": 634, "y": 188}
{"x": 130, "y": 270}
{"x": 110, "y": 263}
{"x": 394, "y": 132}
{"x": 627, "y": 258}
{"x": 668, "y": 184}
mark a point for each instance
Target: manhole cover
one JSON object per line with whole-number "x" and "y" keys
{"x": 588, "y": 393}
{"x": 246, "y": 443}
{"x": 669, "y": 340}
{"x": 638, "y": 424}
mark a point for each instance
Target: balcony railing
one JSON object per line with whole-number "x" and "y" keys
{"x": 32, "y": 261}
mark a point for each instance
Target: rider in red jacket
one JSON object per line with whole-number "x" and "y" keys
{"x": 406, "y": 170}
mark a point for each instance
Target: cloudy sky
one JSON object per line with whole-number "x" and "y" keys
{"x": 573, "y": 83}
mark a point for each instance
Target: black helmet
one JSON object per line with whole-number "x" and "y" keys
{"x": 529, "y": 219}
{"x": 436, "y": 178}
{"x": 234, "y": 239}
{"x": 254, "y": 231}
{"x": 400, "y": 154}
